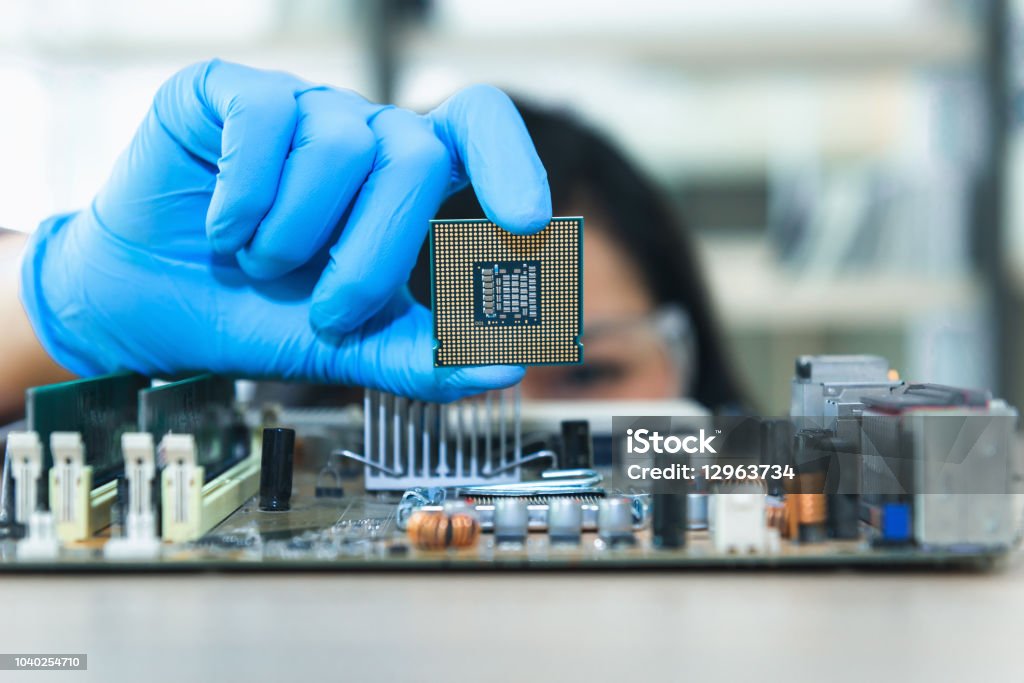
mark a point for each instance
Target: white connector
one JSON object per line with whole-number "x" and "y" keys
{"x": 182, "y": 483}
{"x": 739, "y": 523}
{"x": 70, "y": 487}
{"x": 191, "y": 506}
{"x": 25, "y": 453}
{"x": 140, "y": 540}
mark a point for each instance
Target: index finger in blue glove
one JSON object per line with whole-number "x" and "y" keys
{"x": 491, "y": 149}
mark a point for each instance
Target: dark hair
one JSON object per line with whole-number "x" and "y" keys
{"x": 582, "y": 162}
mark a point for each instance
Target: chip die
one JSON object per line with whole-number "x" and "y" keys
{"x": 504, "y": 299}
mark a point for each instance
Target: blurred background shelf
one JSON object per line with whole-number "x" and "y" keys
{"x": 753, "y": 292}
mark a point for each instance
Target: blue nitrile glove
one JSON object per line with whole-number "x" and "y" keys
{"x": 259, "y": 225}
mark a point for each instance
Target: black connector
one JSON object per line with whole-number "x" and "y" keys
{"x": 577, "y": 448}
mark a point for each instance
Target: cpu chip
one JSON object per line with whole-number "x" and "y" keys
{"x": 504, "y": 299}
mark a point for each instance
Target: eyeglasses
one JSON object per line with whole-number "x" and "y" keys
{"x": 648, "y": 356}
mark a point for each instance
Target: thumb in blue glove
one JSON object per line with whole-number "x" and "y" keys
{"x": 262, "y": 226}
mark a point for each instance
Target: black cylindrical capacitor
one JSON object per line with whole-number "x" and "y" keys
{"x": 835, "y": 462}
{"x": 842, "y": 489}
{"x": 843, "y": 516}
{"x": 812, "y": 455}
{"x": 776, "y": 449}
{"x": 276, "y": 470}
{"x": 577, "y": 448}
{"x": 669, "y": 507}
{"x": 668, "y": 523}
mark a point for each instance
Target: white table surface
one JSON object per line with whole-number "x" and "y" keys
{"x": 820, "y": 626}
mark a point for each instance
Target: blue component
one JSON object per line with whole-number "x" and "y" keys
{"x": 896, "y": 522}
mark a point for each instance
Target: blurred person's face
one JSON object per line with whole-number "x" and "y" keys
{"x": 625, "y": 355}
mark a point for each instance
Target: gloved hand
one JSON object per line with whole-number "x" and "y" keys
{"x": 262, "y": 226}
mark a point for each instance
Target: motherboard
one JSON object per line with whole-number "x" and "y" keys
{"x": 121, "y": 473}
